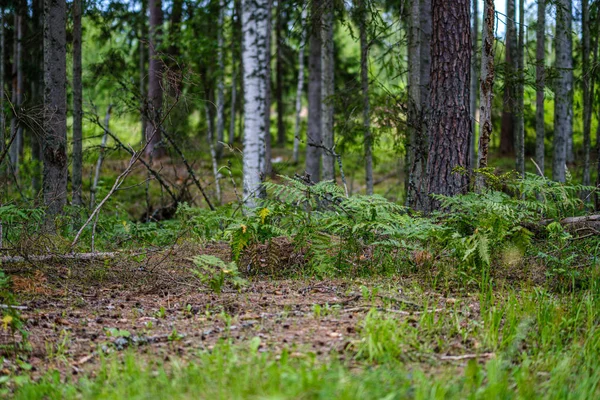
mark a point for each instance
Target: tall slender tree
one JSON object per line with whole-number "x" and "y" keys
{"x": 487, "y": 86}
{"x": 588, "y": 91}
{"x": 2, "y": 116}
{"x": 299, "y": 89}
{"x": 520, "y": 94}
{"x": 220, "y": 80}
{"x": 414, "y": 158}
{"x": 327, "y": 90}
{"x": 507, "y": 131}
{"x": 154, "y": 148}
{"x": 563, "y": 101}
{"x": 540, "y": 72}
{"x": 450, "y": 125}
{"x": 474, "y": 83}
{"x": 364, "y": 83}
{"x": 279, "y": 86}
{"x": 77, "y": 105}
{"x": 256, "y": 57}
{"x": 17, "y": 94}
{"x": 314, "y": 133}
{"x": 55, "y": 108}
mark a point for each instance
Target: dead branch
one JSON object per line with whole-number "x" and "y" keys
{"x": 60, "y": 257}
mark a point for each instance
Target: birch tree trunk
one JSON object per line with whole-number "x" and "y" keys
{"x": 486, "y": 88}
{"x": 155, "y": 89}
{"x": 414, "y": 158}
{"x": 299, "y": 89}
{"x": 519, "y": 117}
{"x": 563, "y": 102}
{"x": 55, "y": 109}
{"x": 220, "y": 84}
{"x": 507, "y": 131}
{"x": 450, "y": 115}
{"x": 474, "y": 84}
{"x": 587, "y": 92}
{"x": 314, "y": 134}
{"x": 540, "y": 55}
{"x": 77, "y": 105}
{"x": 327, "y": 90}
{"x": 256, "y": 58}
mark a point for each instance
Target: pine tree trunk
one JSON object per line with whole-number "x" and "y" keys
{"x": 486, "y": 88}
{"x": 255, "y": 57}
{"x": 55, "y": 109}
{"x": 507, "y": 131}
{"x": 327, "y": 90}
{"x": 519, "y": 117}
{"x": 563, "y": 102}
{"x": 235, "y": 76}
{"x": 474, "y": 84}
{"x": 425, "y": 81}
{"x": 220, "y": 84}
{"x": 155, "y": 89}
{"x": 364, "y": 83}
{"x": 36, "y": 46}
{"x": 279, "y": 23}
{"x": 17, "y": 95}
{"x": 314, "y": 134}
{"x": 540, "y": 55}
{"x": 299, "y": 89}
{"x": 77, "y": 106}
{"x": 587, "y": 92}
{"x": 414, "y": 158}
{"x": 143, "y": 34}
{"x": 450, "y": 115}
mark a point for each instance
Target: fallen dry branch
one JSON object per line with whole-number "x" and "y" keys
{"x": 467, "y": 357}
{"x": 60, "y": 257}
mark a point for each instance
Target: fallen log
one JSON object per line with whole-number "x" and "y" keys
{"x": 59, "y": 257}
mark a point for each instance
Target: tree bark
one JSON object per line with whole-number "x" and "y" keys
{"x": 314, "y": 134}
{"x": 142, "y": 67}
{"x": 155, "y": 91}
{"x": 450, "y": 117}
{"x": 507, "y": 131}
{"x": 279, "y": 26}
{"x": 519, "y": 117}
{"x": 588, "y": 92}
{"x": 364, "y": 83}
{"x": 474, "y": 84}
{"x": 414, "y": 150}
{"x": 2, "y": 115}
{"x": 77, "y": 106}
{"x": 299, "y": 89}
{"x": 327, "y": 90}
{"x": 540, "y": 55}
{"x": 486, "y": 88}
{"x": 220, "y": 84}
{"x": 17, "y": 95}
{"x": 563, "y": 102}
{"x": 256, "y": 58}
{"x": 55, "y": 109}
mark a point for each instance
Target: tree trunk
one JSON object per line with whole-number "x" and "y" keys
{"x": 474, "y": 84}
{"x": 2, "y": 115}
{"x": 220, "y": 84}
{"x": 425, "y": 80}
{"x": 268, "y": 168}
{"x": 236, "y": 72}
{"x": 563, "y": 102}
{"x": 255, "y": 56}
{"x": 519, "y": 117}
{"x": 364, "y": 83}
{"x": 155, "y": 149}
{"x": 17, "y": 95}
{"x": 588, "y": 92}
{"x": 77, "y": 105}
{"x": 55, "y": 109}
{"x": 314, "y": 134}
{"x": 142, "y": 35}
{"x": 299, "y": 89}
{"x": 279, "y": 26}
{"x": 507, "y": 131}
{"x": 414, "y": 153}
{"x": 450, "y": 117}
{"x": 486, "y": 88}
{"x": 540, "y": 55}
{"x": 327, "y": 90}
{"x": 100, "y": 160}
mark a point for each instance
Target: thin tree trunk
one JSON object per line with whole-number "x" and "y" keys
{"x": 155, "y": 91}
{"x": 279, "y": 74}
{"x": 213, "y": 153}
{"x": 55, "y": 109}
{"x": 142, "y": 67}
{"x": 327, "y": 91}
{"x": 587, "y": 92}
{"x": 17, "y": 97}
{"x": 256, "y": 15}
{"x": 364, "y": 83}
{"x": 507, "y": 132}
{"x": 425, "y": 80}
{"x": 77, "y": 105}
{"x": 220, "y": 85}
{"x": 414, "y": 158}
{"x": 234, "y": 75}
{"x": 94, "y": 187}
{"x": 314, "y": 134}
{"x": 474, "y": 84}
{"x": 450, "y": 114}
{"x": 36, "y": 44}
{"x": 540, "y": 55}
{"x": 299, "y": 89}
{"x": 268, "y": 168}
{"x": 519, "y": 117}
{"x": 2, "y": 115}
{"x": 563, "y": 102}
{"x": 486, "y": 88}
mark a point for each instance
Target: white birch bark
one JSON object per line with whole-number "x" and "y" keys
{"x": 255, "y": 57}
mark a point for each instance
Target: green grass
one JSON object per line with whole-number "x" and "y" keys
{"x": 542, "y": 345}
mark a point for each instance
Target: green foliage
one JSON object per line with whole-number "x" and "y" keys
{"x": 216, "y": 273}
